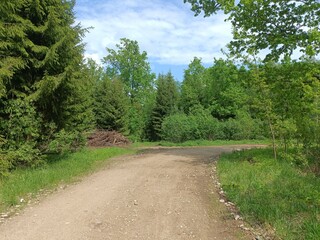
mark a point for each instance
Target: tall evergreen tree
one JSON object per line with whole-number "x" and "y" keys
{"x": 40, "y": 65}
{"x": 166, "y": 103}
{"x": 111, "y": 105}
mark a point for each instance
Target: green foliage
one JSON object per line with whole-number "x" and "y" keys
{"x": 199, "y": 125}
{"x": 25, "y": 155}
{"x": 42, "y": 88}
{"x": 111, "y": 105}
{"x": 166, "y": 103}
{"x": 64, "y": 142}
{"x": 224, "y": 92}
{"x": 131, "y": 67}
{"x": 137, "y": 122}
{"x": 272, "y": 193}
{"x": 193, "y": 86}
{"x": 277, "y": 26}
{"x": 21, "y": 132}
{"x": 286, "y": 97}
{"x": 243, "y": 126}
{"x": 20, "y": 123}
{"x": 5, "y": 165}
{"x": 205, "y": 126}
{"x": 177, "y": 128}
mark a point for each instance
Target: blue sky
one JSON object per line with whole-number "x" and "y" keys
{"x": 166, "y": 29}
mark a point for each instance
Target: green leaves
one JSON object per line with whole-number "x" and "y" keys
{"x": 132, "y": 67}
{"x": 278, "y": 27}
{"x": 193, "y": 86}
{"x": 127, "y": 64}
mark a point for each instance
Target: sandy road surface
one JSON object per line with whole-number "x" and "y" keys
{"x": 160, "y": 194}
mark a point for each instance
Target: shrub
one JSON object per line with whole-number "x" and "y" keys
{"x": 20, "y": 129}
{"x": 199, "y": 125}
{"x": 5, "y": 165}
{"x": 242, "y": 127}
{"x": 177, "y": 128}
{"x": 64, "y": 141}
{"x": 25, "y": 155}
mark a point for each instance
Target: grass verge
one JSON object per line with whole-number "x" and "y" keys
{"x": 25, "y": 183}
{"x": 198, "y": 143}
{"x": 272, "y": 193}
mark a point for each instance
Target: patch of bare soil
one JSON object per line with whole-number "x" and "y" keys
{"x": 103, "y": 138}
{"x": 163, "y": 194}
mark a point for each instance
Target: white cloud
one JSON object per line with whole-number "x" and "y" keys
{"x": 166, "y": 30}
{"x": 94, "y": 56}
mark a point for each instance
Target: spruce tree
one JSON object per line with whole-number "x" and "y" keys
{"x": 166, "y": 103}
{"x": 40, "y": 65}
{"x": 111, "y": 105}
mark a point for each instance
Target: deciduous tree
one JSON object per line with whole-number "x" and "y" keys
{"x": 277, "y": 26}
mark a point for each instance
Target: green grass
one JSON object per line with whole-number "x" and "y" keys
{"x": 198, "y": 143}
{"x": 61, "y": 169}
{"x": 272, "y": 193}
{"x": 26, "y": 183}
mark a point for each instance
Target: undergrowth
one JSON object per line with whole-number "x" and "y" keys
{"x": 272, "y": 192}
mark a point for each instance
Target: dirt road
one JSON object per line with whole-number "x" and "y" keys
{"x": 165, "y": 194}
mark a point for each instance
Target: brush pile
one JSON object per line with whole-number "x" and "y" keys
{"x": 104, "y": 138}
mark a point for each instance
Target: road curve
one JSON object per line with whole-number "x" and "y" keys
{"x": 165, "y": 194}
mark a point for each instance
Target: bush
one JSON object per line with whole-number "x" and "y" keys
{"x": 199, "y": 125}
{"x": 205, "y": 126}
{"x": 5, "y": 165}
{"x": 20, "y": 131}
{"x": 177, "y": 128}
{"x": 242, "y": 127}
{"x": 66, "y": 141}
{"x": 26, "y": 155}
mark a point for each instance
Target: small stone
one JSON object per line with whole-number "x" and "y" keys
{"x": 135, "y": 202}
{"x": 21, "y": 200}
{"x": 237, "y": 217}
{"x": 97, "y": 223}
{"x": 222, "y": 200}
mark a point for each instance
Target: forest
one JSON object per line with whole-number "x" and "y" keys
{"x": 51, "y": 98}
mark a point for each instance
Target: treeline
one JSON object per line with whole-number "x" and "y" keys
{"x": 51, "y": 98}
